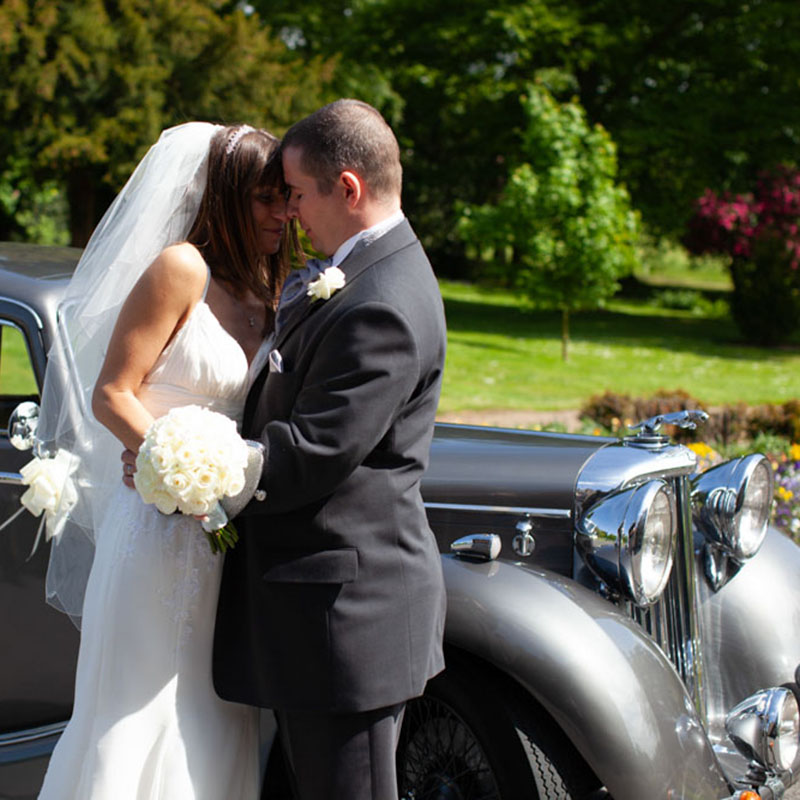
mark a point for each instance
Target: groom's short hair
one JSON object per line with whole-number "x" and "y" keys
{"x": 348, "y": 135}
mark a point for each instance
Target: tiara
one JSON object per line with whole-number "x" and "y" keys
{"x": 235, "y": 136}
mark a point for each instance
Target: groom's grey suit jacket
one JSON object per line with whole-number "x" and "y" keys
{"x": 333, "y": 600}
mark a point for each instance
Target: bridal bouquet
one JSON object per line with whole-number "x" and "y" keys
{"x": 192, "y": 458}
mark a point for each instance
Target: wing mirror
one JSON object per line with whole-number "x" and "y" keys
{"x": 22, "y": 425}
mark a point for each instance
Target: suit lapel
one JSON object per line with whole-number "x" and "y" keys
{"x": 252, "y": 399}
{"x": 359, "y": 260}
{"x": 354, "y": 265}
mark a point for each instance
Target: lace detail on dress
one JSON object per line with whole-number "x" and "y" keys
{"x": 189, "y": 547}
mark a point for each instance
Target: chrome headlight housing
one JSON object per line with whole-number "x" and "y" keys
{"x": 627, "y": 540}
{"x": 766, "y": 727}
{"x": 731, "y": 504}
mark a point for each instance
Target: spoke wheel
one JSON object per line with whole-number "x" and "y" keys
{"x": 468, "y": 738}
{"x": 442, "y": 759}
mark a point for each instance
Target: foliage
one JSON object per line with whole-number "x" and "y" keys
{"x": 760, "y": 231}
{"x": 666, "y": 261}
{"x": 691, "y": 300}
{"x": 88, "y": 85}
{"x": 683, "y": 88}
{"x": 447, "y": 75}
{"x": 31, "y": 212}
{"x": 786, "y": 511}
{"x": 735, "y": 225}
{"x": 616, "y": 412}
{"x": 694, "y": 94}
{"x": 729, "y": 426}
{"x": 562, "y": 230}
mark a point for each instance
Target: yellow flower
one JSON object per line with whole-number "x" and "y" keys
{"x": 794, "y": 452}
{"x": 784, "y": 493}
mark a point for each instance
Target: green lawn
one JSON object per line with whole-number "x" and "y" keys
{"x": 503, "y": 357}
{"x": 16, "y": 374}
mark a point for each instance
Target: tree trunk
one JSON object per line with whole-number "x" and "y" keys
{"x": 564, "y": 334}
{"x": 81, "y": 196}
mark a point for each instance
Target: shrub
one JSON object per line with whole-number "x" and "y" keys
{"x": 689, "y": 300}
{"x": 765, "y": 303}
{"x": 616, "y": 412}
{"x": 727, "y": 425}
{"x": 760, "y": 231}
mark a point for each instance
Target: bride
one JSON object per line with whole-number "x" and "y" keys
{"x": 171, "y": 305}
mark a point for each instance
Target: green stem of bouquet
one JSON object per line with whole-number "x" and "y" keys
{"x": 222, "y": 539}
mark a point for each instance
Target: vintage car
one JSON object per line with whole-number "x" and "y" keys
{"x": 619, "y": 625}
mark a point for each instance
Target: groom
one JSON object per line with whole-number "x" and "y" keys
{"x": 331, "y": 609}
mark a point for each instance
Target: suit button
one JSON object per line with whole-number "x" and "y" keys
{"x": 260, "y": 495}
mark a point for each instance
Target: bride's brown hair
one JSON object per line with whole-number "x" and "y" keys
{"x": 242, "y": 161}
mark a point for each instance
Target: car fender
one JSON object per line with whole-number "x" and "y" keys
{"x": 603, "y": 681}
{"x": 755, "y": 619}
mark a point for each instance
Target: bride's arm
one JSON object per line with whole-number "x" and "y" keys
{"x": 156, "y": 307}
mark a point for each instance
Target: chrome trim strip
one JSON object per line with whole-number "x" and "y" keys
{"x": 12, "y": 478}
{"x": 550, "y": 513}
{"x": 27, "y": 308}
{"x": 32, "y": 734}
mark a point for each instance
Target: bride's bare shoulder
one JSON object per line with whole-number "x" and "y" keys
{"x": 181, "y": 263}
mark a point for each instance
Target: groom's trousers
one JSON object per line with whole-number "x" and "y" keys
{"x": 342, "y": 756}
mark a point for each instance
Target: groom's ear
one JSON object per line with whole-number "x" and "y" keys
{"x": 353, "y": 187}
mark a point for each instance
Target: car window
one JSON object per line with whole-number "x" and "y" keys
{"x": 17, "y": 377}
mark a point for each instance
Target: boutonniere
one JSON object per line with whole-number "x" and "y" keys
{"x": 329, "y": 281}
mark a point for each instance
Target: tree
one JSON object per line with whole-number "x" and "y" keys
{"x": 563, "y": 230}
{"x": 88, "y": 85}
{"x": 694, "y": 94}
{"x": 448, "y": 76}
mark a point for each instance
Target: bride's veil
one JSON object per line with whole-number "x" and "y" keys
{"x": 155, "y": 208}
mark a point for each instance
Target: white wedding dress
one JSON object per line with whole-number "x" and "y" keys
{"x": 147, "y": 724}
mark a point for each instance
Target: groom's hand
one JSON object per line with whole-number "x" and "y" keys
{"x": 128, "y": 467}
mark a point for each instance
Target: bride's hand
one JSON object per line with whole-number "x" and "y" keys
{"x": 128, "y": 467}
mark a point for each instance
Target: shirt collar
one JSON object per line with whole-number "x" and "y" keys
{"x": 368, "y": 235}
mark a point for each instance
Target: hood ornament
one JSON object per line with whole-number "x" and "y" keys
{"x": 647, "y": 431}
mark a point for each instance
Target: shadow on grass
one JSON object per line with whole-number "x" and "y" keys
{"x": 701, "y": 335}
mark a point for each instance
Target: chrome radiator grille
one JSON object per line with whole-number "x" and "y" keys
{"x": 672, "y": 622}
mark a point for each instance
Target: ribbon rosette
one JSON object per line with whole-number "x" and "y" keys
{"x": 329, "y": 281}
{"x": 190, "y": 459}
{"x": 51, "y": 491}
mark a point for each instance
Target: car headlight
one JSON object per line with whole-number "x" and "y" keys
{"x": 766, "y": 727}
{"x": 731, "y": 504}
{"x": 627, "y": 540}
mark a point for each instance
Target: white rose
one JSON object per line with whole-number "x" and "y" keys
{"x": 164, "y": 502}
{"x": 330, "y": 281}
{"x": 50, "y": 489}
{"x": 146, "y": 479}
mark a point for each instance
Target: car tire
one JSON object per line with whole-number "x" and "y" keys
{"x": 468, "y": 739}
